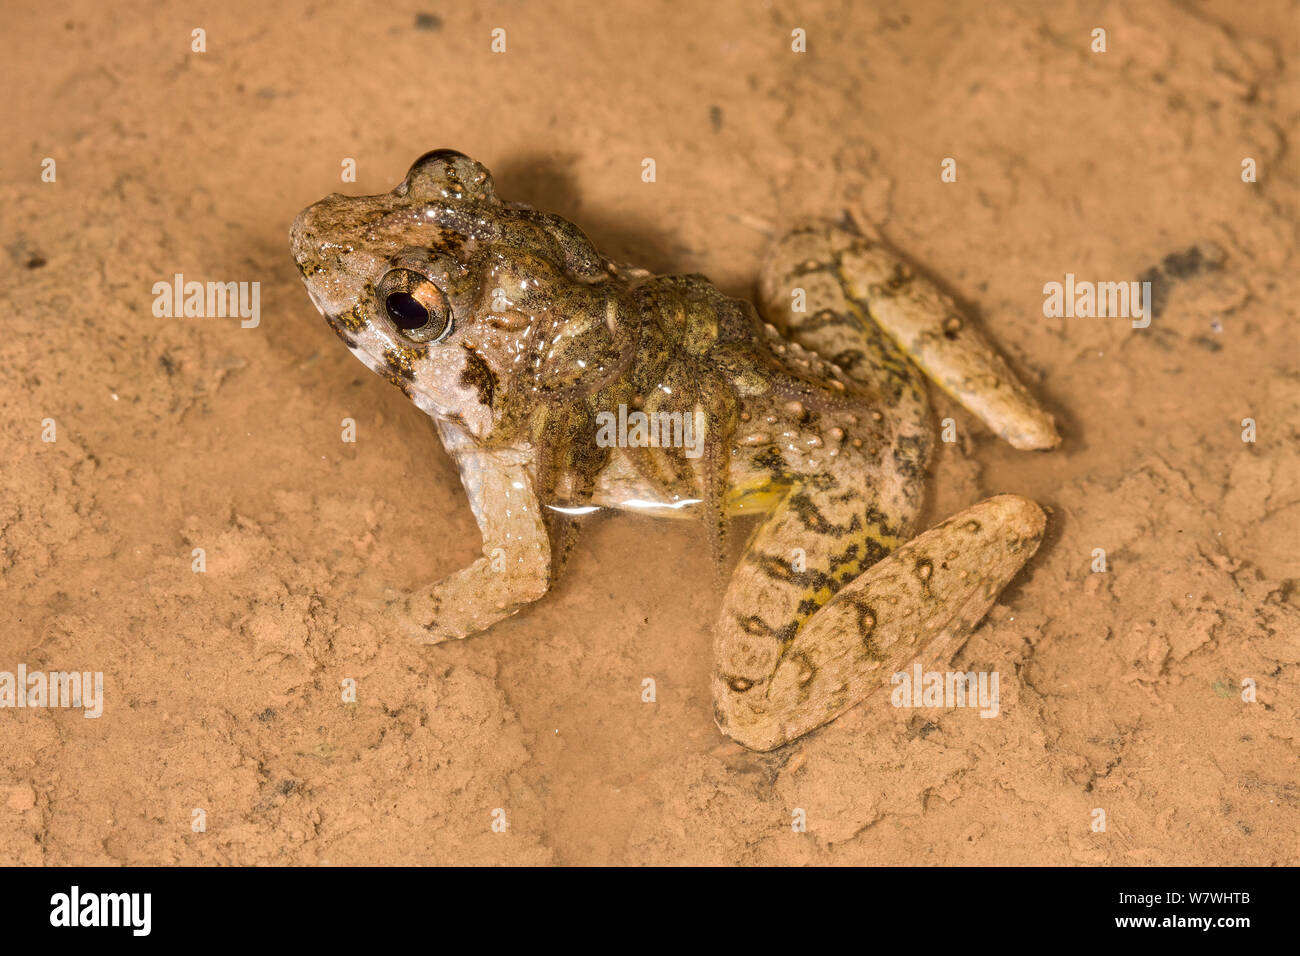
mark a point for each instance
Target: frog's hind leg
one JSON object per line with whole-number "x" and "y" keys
{"x": 919, "y": 603}
{"x": 917, "y": 316}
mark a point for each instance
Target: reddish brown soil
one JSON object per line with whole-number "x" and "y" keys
{"x": 1121, "y": 691}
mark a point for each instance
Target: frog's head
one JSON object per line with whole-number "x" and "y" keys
{"x": 452, "y": 295}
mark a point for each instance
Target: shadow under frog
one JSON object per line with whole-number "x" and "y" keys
{"x": 506, "y": 326}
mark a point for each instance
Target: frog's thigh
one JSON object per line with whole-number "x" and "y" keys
{"x": 814, "y": 542}
{"x": 917, "y": 604}
{"x": 923, "y": 321}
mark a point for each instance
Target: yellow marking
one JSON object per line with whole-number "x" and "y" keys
{"x": 756, "y": 496}
{"x": 354, "y": 320}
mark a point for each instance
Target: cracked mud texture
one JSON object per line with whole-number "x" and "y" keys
{"x": 1120, "y": 691}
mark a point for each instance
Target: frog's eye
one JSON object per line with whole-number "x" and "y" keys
{"x": 449, "y": 176}
{"x": 405, "y": 311}
{"x": 415, "y": 305}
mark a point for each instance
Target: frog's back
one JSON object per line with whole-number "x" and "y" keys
{"x": 771, "y": 412}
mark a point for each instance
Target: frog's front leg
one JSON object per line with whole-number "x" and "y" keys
{"x": 773, "y": 684}
{"x": 516, "y": 565}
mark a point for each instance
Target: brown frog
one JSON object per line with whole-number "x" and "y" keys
{"x": 561, "y": 383}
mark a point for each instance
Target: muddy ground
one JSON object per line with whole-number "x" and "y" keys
{"x": 1121, "y": 691}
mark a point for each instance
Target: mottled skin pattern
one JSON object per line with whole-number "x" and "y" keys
{"x": 508, "y": 328}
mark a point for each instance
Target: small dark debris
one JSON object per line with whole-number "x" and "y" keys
{"x": 266, "y": 715}
{"x": 428, "y": 21}
{"x": 1177, "y": 266}
{"x": 715, "y": 118}
{"x": 167, "y": 363}
{"x": 1180, "y": 265}
{"x": 288, "y": 786}
{"x": 36, "y": 261}
{"x": 1160, "y": 287}
{"x": 1205, "y": 342}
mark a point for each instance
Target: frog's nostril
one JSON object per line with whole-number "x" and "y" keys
{"x": 406, "y": 311}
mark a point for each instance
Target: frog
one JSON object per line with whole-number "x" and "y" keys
{"x": 525, "y": 346}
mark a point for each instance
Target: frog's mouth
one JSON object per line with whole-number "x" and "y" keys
{"x": 315, "y": 300}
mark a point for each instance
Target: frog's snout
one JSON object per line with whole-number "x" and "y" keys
{"x": 304, "y": 234}
{"x": 299, "y": 232}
